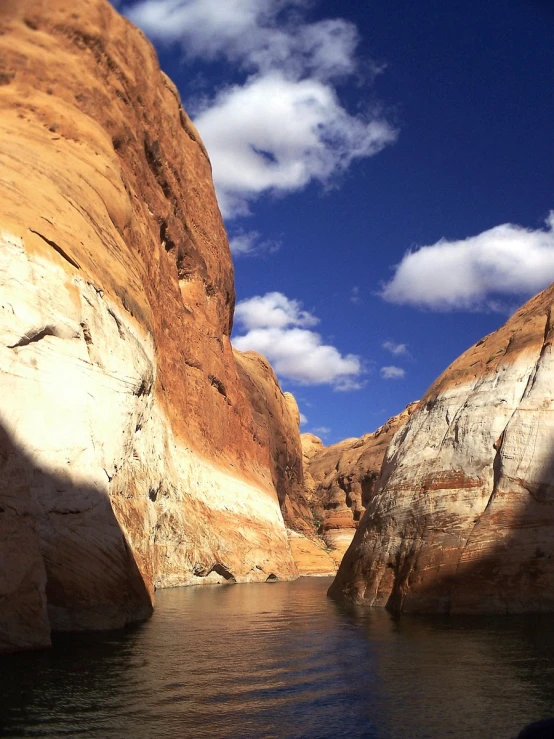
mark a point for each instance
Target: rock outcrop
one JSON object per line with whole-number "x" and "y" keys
{"x": 463, "y": 518}
{"x": 135, "y": 451}
{"x": 312, "y": 556}
{"x": 276, "y": 428}
{"x": 340, "y": 479}
{"x": 277, "y": 421}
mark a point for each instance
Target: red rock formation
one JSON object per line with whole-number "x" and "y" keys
{"x": 340, "y": 479}
{"x": 312, "y": 556}
{"x": 463, "y": 519}
{"x": 277, "y": 423}
{"x": 132, "y": 455}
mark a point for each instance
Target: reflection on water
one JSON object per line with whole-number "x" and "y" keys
{"x": 281, "y": 660}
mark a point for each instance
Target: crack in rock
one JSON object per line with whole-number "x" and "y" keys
{"x": 57, "y": 248}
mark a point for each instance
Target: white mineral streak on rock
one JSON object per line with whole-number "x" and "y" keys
{"x": 339, "y": 539}
{"x": 463, "y": 520}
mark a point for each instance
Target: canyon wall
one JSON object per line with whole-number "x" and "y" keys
{"x": 463, "y": 517}
{"x": 277, "y": 421}
{"x": 341, "y": 479}
{"x": 135, "y": 451}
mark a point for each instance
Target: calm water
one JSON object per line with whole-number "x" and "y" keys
{"x": 281, "y": 660}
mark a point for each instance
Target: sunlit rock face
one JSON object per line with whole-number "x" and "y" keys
{"x": 312, "y": 556}
{"x": 277, "y": 422}
{"x": 341, "y": 479}
{"x": 131, "y": 449}
{"x": 463, "y": 518}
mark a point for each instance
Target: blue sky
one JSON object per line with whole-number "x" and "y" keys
{"x": 385, "y": 171}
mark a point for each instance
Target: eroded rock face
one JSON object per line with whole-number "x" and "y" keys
{"x": 341, "y": 479}
{"x": 130, "y": 456}
{"x": 463, "y": 519}
{"x": 277, "y": 423}
{"x": 312, "y": 556}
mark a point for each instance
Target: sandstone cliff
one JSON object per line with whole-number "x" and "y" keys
{"x": 135, "y": 451}
{"x": 463, "y": 518}
{"x": 340, "y": 479}
{"x": 277, "y": 423}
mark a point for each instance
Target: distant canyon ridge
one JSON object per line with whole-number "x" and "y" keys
{"x": 139, "y": 450}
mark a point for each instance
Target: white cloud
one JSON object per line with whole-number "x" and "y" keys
{"x": 467, "y": 274}
{"x": 321, "y": 431}
{"x": 283, "y": 126}
{"x": 303, "y": 420}
{"x": 276, "y": 135}
{"x": 399, "y": 350}
{"x": 272, "y": 310}
{"x": 258, "y": 35}
{"x": 392, "y": 373}
{"x": 278, "y": 328}
{"x": 251, "y": 243}
{"x": 204, "y": 27}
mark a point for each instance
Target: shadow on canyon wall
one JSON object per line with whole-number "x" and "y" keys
{"x": 505, "y": 565}
{"x": 66, "y": 563}
{"x": 515, "y": 573}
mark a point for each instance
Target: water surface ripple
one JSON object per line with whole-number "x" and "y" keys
{"x": 282, "y": 661}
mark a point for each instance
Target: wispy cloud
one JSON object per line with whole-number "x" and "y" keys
{"x": 471, "y": 274}
{"x": 303, "y": 419}
{"x": 355, "y": 296}
{"x": 321, "y": 431}
{"x": 251, "y": 243}
{"x": 284, "y": 126}
{"x": 257, "y": 35}
{"x": 399, "y": 350}
{"x": 280, "y": 329}
{"x": 392, "y": 373}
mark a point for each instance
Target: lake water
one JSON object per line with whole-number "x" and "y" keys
{"x": 281, "y": 660}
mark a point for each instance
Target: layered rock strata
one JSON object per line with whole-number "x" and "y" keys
{"x": 341, "y": 479}
{"x": 132, "y": 453}
{"x": 277, "y": 421}
{"x": 463, "y": 518}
